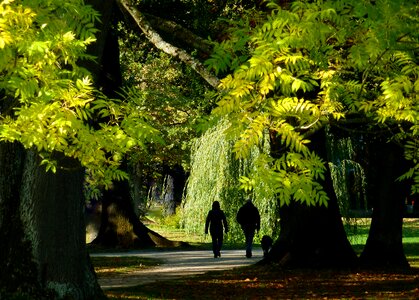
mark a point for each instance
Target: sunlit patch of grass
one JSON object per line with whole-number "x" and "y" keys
{"x": 414, "y": 261}
{"x": 176, "y": 234}
{"x": 116, "y": 265}
{"x": 411, "y": 231}
{"x": 357, "y": 230}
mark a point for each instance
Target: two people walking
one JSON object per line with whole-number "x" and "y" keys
{"x": 248, "y": 217}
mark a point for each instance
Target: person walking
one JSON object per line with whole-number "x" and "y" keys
{"x": 249, "y": 219}
{"x": 216, "y": 222}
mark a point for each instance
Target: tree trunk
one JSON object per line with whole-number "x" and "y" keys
{"x": 313, "y": 236}
{"x": 169, "y": 205}
{"x": 57, "y": 229}
{"x": 18, "y": 272}
{"x": 384, "y": 247}
{"x": 121, "y": 227}
{"x": 43, "y": 252}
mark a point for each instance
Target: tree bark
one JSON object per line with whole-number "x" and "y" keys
{"x": 18, "y": 272}
{"x": 313, "y": 236}
{"x": 42, "y": 230}
{"x": 180, "y": 33}
{"x": 56, "y": 223}
{"x": 129, "y": 9}
{"x": 384, "y": 247}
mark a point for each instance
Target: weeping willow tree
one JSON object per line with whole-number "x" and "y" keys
{"x": 348, "y": 174}
{"x": 216, "y": 176}
{"x": 349, "y": 180}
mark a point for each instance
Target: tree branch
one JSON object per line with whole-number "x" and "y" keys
{"x": 168, "y": 48}
{"x": 180, "y": 32}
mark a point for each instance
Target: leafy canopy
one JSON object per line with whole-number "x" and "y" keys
{"x": 315, "y": 64}
{"x": 47, "y": 100}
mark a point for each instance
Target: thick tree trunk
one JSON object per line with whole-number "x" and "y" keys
{"x": 121, "y": 227}
{"x": 313, "y": 236}
{"x": 42, "y": 230}
{"x": 18, "y": 271}
{"x": 57, "y": 229}
{"x": 384, "y": 247}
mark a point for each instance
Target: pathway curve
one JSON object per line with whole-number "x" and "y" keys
{"x": 177, "y": 264}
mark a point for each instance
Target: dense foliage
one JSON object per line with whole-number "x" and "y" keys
{"x": 47, "y": 100}
{"x": 169, "y": 92}
{"x": 315, "y": 64}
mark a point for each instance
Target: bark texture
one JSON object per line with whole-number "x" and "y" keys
{"x": 18, "y": 271}
{"x": 55, "y": 221}
{"x": 42, "y": 230}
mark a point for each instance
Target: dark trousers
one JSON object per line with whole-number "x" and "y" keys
{"x": 249, "y": 234}
{"x": 217, "y": 242}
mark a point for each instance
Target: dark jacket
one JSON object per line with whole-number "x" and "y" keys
{"x": 216, "y": 219}
{"x": 248, "y": 217}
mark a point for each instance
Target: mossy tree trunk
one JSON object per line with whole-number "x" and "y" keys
{"x": 313, "y": 236}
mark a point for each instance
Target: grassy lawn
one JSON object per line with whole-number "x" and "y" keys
{"x": 270, "y": 282}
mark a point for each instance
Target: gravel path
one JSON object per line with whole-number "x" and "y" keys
{"x": 177, "y": 264}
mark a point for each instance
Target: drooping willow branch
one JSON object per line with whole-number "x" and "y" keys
{"x": 157, "y": 41}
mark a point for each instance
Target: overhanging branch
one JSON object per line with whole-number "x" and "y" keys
{"x": 157, "y": 41}
{"x": 180, "y": 32}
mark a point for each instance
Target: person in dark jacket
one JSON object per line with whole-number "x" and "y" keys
{"x": 249, "y": 219}
{"x": 216, "y": 222}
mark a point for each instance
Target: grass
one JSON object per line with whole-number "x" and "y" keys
{"x": 119, "y": 265}
{"x": 357, "y": 230}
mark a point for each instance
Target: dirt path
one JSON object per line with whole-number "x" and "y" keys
{"x": 177, "y": 264}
